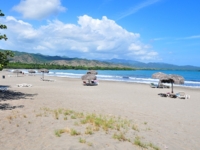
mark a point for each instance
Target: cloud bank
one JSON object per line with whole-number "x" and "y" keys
{"x": 89, "y": 38}
{"x": 39, "y": 9}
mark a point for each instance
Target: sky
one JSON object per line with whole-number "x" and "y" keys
{"x": 165, "y": 31}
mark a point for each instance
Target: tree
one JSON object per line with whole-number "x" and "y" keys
{"x": 4, "y": 55}
{"x": 2, "y": 27}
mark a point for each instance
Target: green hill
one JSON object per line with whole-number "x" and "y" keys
{"x": 30, "y": 58}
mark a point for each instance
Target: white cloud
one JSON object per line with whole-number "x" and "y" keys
{"x": 39, "y": 9}
{"x": 135, "y": 47}
{"x": 189, "y": 37}
{"x": 90, "y": 38}
{"x": 142, "y": 51}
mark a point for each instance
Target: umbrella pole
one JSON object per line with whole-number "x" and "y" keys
{"x": 172, "y": 88}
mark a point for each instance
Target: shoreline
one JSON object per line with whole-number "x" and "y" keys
{"x": 143, "y": 80}
{"x": 166, "y": 122}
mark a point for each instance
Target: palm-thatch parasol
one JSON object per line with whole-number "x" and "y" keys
{"x": 171, "y": 78}
{"x": 89, "y": 77}
{"x": 17, "y": 71}
{"x": 158, "y": 75}
{"x": 31, "y": 71}
{"x": 92, "y": 72}
{"x": 43, "y": 71}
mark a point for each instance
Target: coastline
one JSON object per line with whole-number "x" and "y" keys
{"x": 191, "y": 78}
{"x": 168, "y": 123}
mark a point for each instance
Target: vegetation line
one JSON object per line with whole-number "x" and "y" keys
{"x": 18, "y": 65}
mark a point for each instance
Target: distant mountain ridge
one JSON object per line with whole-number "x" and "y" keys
{"x": 25, "y": 57}
{"x": 151, "y": 65}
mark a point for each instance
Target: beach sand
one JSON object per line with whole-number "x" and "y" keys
{"x": 42, "y": 117}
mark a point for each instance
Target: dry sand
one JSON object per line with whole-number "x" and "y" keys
{"x": 27, "y": 121}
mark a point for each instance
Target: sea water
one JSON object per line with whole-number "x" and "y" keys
{"x": 192, "y": 78}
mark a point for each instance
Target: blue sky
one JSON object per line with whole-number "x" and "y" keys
{"x": 165, "y": 31}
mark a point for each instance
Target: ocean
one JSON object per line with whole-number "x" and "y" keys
{"x": 192, "y": 78}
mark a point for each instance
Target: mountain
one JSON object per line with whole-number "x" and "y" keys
{"x": 35, "y": 58}
{"x": 39, "y": 58}
{"x": 24, "y": 57}
{"x": 151, "y": 65}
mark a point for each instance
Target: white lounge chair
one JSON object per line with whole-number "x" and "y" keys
{"x": 3, "y": 88}
{"x": 24, "y": 85}
{"x": 152, "y": 85}
{"x": 12, "y": 75}
{"x": 161, "y": 85}
{"x": 51, "y": 80}
{"x": 182, "y": 95}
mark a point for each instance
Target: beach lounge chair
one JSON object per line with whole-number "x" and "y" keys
{"x": 51, "y": 80}
{"x": 152, "y": 85}
{"x": 163, "y": 94}
{"x": 182, "y": 95}
{"x": 24, "y": 85}
{"x": 172, "y": 95}
{"x": 165, "y": 86}
{"x": 3, "y": 88}
{"x": 12, "y": 75}
{"x": 160, "y": 85}
{"x": 92, "y": 83}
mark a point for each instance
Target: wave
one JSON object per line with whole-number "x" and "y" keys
{"x": 127, "y": 79}
{"x": 64, "y": 73}
{"x": 143, "y": 77}
{"x": 192, "y": 82}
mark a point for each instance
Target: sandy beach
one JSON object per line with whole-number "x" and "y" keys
{"x": 65, "y": 115}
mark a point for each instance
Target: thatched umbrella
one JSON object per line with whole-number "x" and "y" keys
{"x": 31, "y": 71}
{"x": 17, "y": 71}
{"x": 89, "y": 77}
{"x": 158, "y": 75}
{"x": 171, "y": 78}
{"x": 92, "y": 72}
{"x": 43, "y": 71}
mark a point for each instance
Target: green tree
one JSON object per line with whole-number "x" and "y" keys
{"x": 2, "y": 27}
{"x": 4, "y": 55}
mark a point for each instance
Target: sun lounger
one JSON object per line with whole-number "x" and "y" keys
{"x": 3, "y": 88}
{"x": 24, "y": 85}
{"x": 172, "y": 95}
{"x": 90, "y": 84}
{"x": 31, "y": 74}
{"x": 163, "y": 86}
{"x": 51, "y": 80}
{"x": 152, "y": 85}
{"x": 12, "y": 75}
{"x": 182, "y": 95}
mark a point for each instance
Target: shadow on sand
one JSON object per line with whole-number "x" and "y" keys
{"x": 9, "y": 95}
